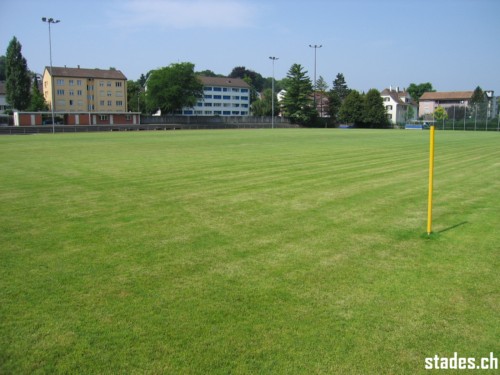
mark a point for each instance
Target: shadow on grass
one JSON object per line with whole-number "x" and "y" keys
{"x": 436, "y": 235}
{"x": 453, "y": 227}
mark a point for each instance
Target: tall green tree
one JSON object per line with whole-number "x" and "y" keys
{"x": 18, "y": 80}
{"x": 374, "y": 115}
{"x": 173, "y": 87}
{"x": 478, "y": 103}
{"x": 37, "y": 101}
{"x": 336, "y": 96}
{"x": 3, "y": 62}
{"x": 298, "y": 103}
{"x": 340, "y": 86}
{"x": 416, "y": 91}
{"x": 136, "y": 100}
{"x": 352, "y": 109}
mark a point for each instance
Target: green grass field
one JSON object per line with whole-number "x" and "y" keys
{"x": 247, "y": 252}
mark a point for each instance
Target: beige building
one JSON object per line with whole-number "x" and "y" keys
{"x": 85, "y": 90}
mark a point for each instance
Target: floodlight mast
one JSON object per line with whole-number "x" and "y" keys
{"x": 315, "y": 46}
{"x": 272, "y": 97}
{"x": 49, "y": 21}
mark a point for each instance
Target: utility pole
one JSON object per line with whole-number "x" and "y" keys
{"x": 272, "y": 100}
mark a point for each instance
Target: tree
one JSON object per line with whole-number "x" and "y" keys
{"x": 263, "y": 106}
{"x": 297, "y": 103}
{"x": 416, "y": 91}
{"x": 37, "y": 101}
{"x": 2, "y": 68}
{"x": 374, "y": 114}
{"x": 334, "y": 104}
{"x": 257, "y": 81}
{"x": 351, "y": 110}
{"x": 18, "y": 81}
{"x": 135, "y": 96}
{"x": 173, "y": 87}
{"x": 336, "y": 96}
{"x": 340, "y": 87}
{"x": 478, "y": 103}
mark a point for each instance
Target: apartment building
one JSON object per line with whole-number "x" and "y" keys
{"x": 85, "y": 90}
{"x": 222, "y": 96}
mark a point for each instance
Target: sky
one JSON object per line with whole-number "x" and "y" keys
{"x": 453, "y": 44}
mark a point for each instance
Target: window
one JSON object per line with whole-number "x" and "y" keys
{"x": 110, "y": 103}
{"x": 60, "y": 82}
{"x": 78, "y": 82}
{"x": 217, "y": 88}
{"x": 244, "y": 98}
{"x": 119, "y": 94}
{"x": 217, "y": 113}
{"x": 103, "y": 117}
{"x": 79, "y": 92}
{"x": 388, "y": 107}
{"x": 60, "y": 92}
{"x": 91, "y": 107}
{"x": 198, "y": 112}
{"x": 225, "y": 89}
{"x": 71, "y": 102}
{"x": 208, "y": 88}
{"x": 109, "y": 93}
{"x": 118, "y": 84}
{"x": 108, "y": 83}
{"x": 227, "y": 97}
{"x": 236, "y": 98}
{"x": 244, "y": 90}
{"x": 208, "y": 112}
{"x": 235, "y": 90}
{"x": 71, "y": 92}
{"x": 208, "y": 104}
{"x": 188, "y": 112}
{"x": 119, "y": 103}
{"x": 101, "y": 83}
{"x": 236, "y": 112}
{"x": 90, "y": 88}
{"x": 217, "y": 97}
{"x": 226, "y": 113}
{"x": 208, "y": 96}
{"x": 101, "y": 103}
{"x": 71, "y": 82}
{"x": 199, "y": 104}
{"x": 217, "y": 104}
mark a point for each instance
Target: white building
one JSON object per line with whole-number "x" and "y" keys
{"x": 397, "y": 104}
{"x": 222, "y": 96}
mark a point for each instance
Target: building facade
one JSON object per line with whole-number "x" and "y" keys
{"x": 429, "y": 101}
{"x": 222, "y": 96}
{"x": 397, "y": 105}
{"x": 3, "y": 98}
{"x": 85, "y": 90}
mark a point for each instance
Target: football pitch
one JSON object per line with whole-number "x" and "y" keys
{"x": 291, "y": 251}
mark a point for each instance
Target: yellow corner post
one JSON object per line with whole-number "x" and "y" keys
{"x": 431, "y": 178}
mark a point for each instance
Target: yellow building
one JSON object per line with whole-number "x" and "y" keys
{"x": 85, "y": 90}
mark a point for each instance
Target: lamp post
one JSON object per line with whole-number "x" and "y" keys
{"x": 272, "y": 95}
{"x": 49, "y": 21}
{"x": 315, "y": 46}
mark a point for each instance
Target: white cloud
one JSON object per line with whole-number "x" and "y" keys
{"x": 183, "y": 14}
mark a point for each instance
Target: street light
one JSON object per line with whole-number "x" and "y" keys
{"x": 49, "y": 21}
{"x": 272, "y": 97}
{"x": 315, "y": 46}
